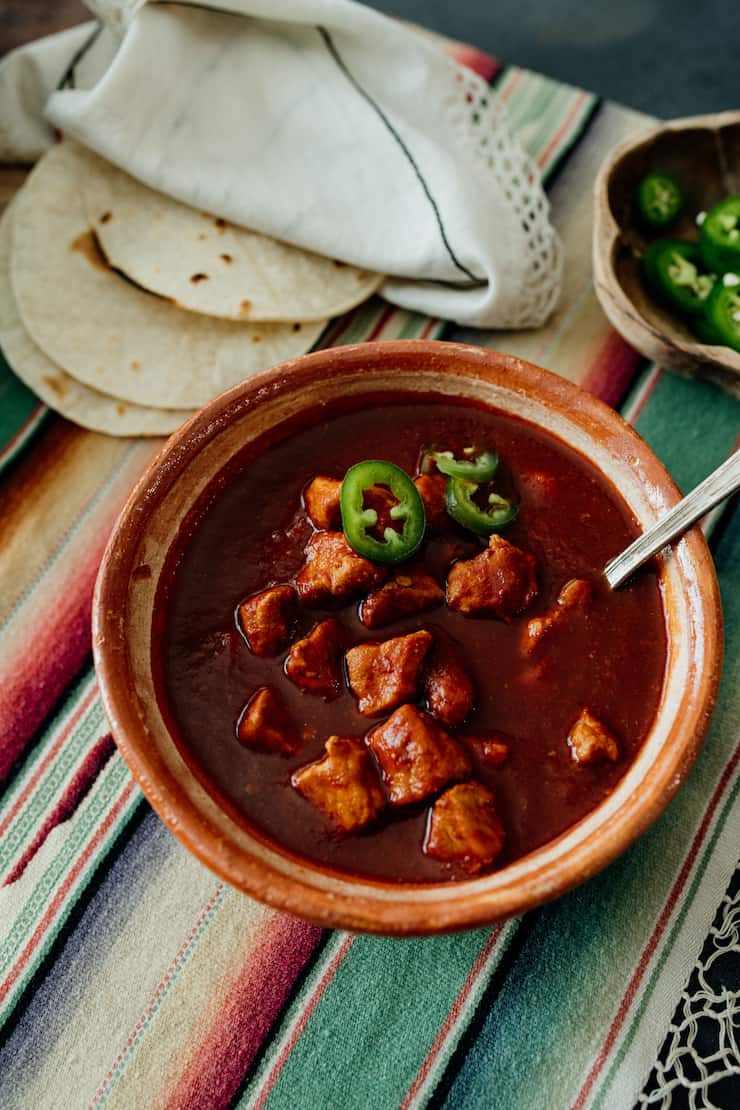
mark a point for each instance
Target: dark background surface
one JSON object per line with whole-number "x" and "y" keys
{"x": 666, "y": 57}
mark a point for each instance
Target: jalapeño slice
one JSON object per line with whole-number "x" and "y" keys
{"x": 479, "y": 467}
{"x": 357, "y": 520}
{"x": 459, "y": 496}
{"x": 674, "y": 272}
{"x": 659, "y": 200}
{"x": 719, "y": 236}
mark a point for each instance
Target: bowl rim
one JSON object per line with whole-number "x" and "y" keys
{"x": 466, "y": 906}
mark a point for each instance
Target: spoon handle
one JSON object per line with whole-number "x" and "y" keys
{"x": 720, "y": 484}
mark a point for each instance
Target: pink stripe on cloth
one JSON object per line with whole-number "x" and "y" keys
{"x": 27, "y": 424}
{"x": 243, "y": 1017}
{"x": 58, "y": 899}
{"x": 660, "y": 928}
{"x": 78, "y": 787}
{"x": 55, "y": 647}
{"x": 575, "y": 109}
{"x": 309, "y": 1006}
{"x": 48, "y": 759}
{"x": 612, "y": 371}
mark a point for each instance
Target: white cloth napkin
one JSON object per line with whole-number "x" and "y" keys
{"x": 320, "y": 122}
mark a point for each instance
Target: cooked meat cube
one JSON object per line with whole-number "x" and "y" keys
{"x": 464, "y": 828}
{"x": 500, "y": 581}
{"x": 315, "y": 663}
{"x": 386, "y": 674}
{"x": 431, "y": 489}
{"x": 591, "y": 742}
{"x": 416, "y": 755}
{"x": 408, "y": 591}
{"x": 333, "y": 572}
{"x": 574, "y": 595}
{"x": 266, "y": 619}
{"x": 321, "y": 498}
{"x": 266, "y": 724}
{"x": 343, "y": 784}
{"x": 448, "y": 688}
{"x": 491, "y": 751}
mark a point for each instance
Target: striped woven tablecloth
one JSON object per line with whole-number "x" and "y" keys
{"x": 131, "y": 977}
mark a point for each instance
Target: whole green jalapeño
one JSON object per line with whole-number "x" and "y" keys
{"x": 357, "y": 520}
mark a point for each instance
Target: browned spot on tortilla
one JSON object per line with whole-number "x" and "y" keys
{"x": 141, "y": 572}
{"x": 105, "y": 217}
{"x": 121, "y": 409}
{"x": 220, "y": 224}
{"x": 296, "y": 327}
{"x": 202, "y": 235}
{"x": 135, "y": 365}
{"x": 86, "y": 243}
{"x": 227, "y": 259}
{"x": 195, "y": 278}
{"x": 256, "y": 338}
{"x": 56, "y": 385}
{"x": 339, "y": 265}
{"x": 245, "y": 308}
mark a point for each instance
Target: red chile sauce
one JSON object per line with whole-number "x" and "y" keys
{"x": 249, "y": 530}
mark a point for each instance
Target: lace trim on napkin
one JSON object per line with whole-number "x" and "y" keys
{"x": 699, "y": 1063}
{"x": 481, "y": 121}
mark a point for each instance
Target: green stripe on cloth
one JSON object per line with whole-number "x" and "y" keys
{"x": 385, "y": 1003}
{"x": 21, "y": 415}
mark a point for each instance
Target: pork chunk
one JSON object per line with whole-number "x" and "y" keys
{"x": 265, "y": 724}
{"x": 574, "y": 596}
{"x": 501, "y": 581}
{"x": 490, "y": 751}
{"x": 321, "y": 498}
{"x": 416, "y": 755}
{"x": 266, "y": 619}
{"x": 315, "y": 662}
{"x": 333, "y": 572}
{"x": 386, "y": 674}
{"x": 406, "y": 592}
{"x": 431, "y": 489}
{"x": 464, "y": 828}
{"x": 591, "y": 742}
{"x": 343, "y": 784}
{"x": 448, "y": 688}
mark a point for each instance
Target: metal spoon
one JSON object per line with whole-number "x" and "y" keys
{"x": 720, "y": 484}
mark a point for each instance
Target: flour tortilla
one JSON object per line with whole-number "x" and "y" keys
{"x": 54, "y": 386}
{"x": 106, "y": 332}
{"x": 209, "y": 266}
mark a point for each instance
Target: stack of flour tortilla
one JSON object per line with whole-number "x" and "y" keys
{"x": 125, "y": 310}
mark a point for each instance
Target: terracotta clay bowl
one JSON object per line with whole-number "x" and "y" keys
{"x": 148, "y": 526}
{"x": 703, "y": 152}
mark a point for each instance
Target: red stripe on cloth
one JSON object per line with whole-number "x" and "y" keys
{"x": 48, "y": 759}
{"x": 481, "y": 63}
{"x": 575, "y": 109}
{"x": 162, "y": 987}
{"x": 79, "y": 786}
{"x": 385, "y": 317}
{"x": 64, "y": 889}
{"x": 22, "y": 431}
{"x": 55, "y": 647}
{"x": 309, "y": 1006}
{"x": 613, "y": 369}
{"x": 244, "y": 1015}
{"x": 452, "y": 1017}
{"x": 660, "y": 928}
{"x": 429, "y": 327}
{"x": 649, "y": 390}
{"x": 507, "y": 93}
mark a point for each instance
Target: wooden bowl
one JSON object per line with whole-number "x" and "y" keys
{"x": 148, "y": 527}
{"x": 703, "y": 152}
